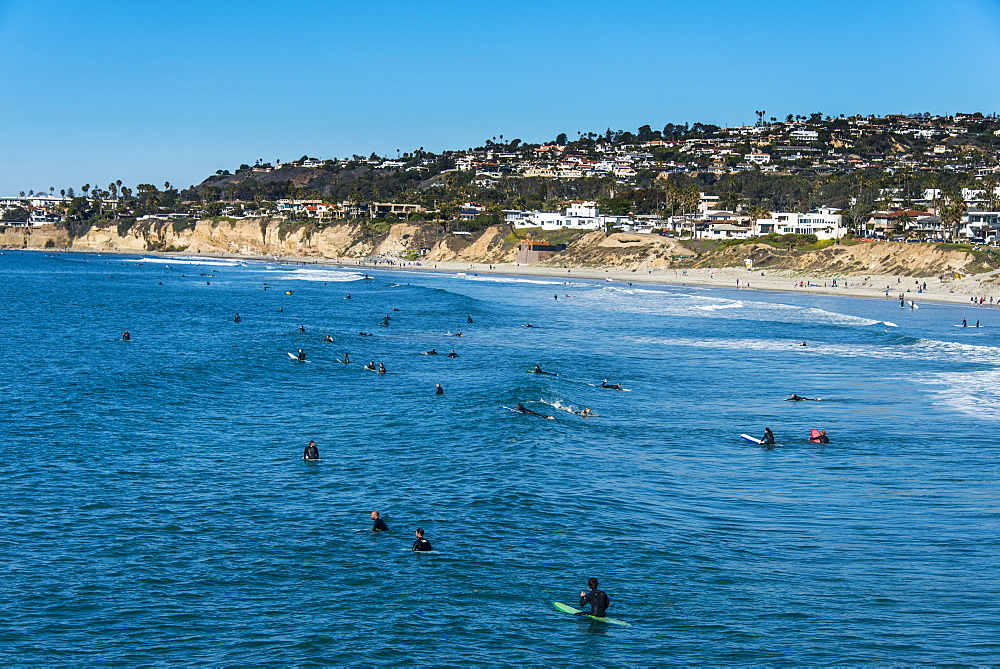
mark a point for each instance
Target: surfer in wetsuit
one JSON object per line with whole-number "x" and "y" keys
{"x": 301, "y": 357}
{"x": 378, "y": 525}
{"x": 438, "y": 390}
{"x": 585, "y": 412}
{"x": 347, "y": 358}
{"x": 821, "y": 438}
{"x": 537, "y": 370}
{"x": 126, "y": 336}
{"x": 381, "y": 369}
{"x": 421, "y": 544}
{"x": 370, "y": 366}
{"x": 236, "y": 318}
{"x": 798, "y": 398}
{"x": 311, "y": 452}
{"x": 612, "y": 386}
{"x": 433, "y": 351}
{"x": 468, "y": 319}
{"x": 768, "y": 438}
{"x": 453, "y": 354}
{"x": 523, "y": 409}
{"x": 302, "y": 328}
{"x": 327, "y": 339}
{"x": 598, "y": 600}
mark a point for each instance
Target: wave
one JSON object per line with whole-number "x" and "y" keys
{"x": 319, "y": 275}
{"x": 973, "y": 393}
{"x": 185, "y": 261}
{"x": 500, "y": 279}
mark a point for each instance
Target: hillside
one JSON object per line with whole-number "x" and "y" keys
{"x": 427, "y": 242}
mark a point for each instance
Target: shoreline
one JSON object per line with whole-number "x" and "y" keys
{"x": 873, "y": 286}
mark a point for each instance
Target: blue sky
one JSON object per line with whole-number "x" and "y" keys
{"x": 149, "y": 92}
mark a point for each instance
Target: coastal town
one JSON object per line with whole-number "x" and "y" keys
{"x": 911, "y": 177}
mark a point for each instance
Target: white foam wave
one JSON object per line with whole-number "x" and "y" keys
{"x": 716, "y": 307}
{"x": 501, "y": 279}
{"x": 319, "y": 275}
{"x": 973, "y": 393}
{"x": 930, "y": 350}
{"x": 185, "y": 261}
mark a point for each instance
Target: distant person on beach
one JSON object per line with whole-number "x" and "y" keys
{"x": 378, "y": 525}
{"x": 301, "y": 357}
{"x": 126, "y": 336}
{"x": 768, "y": 438}
{"x": 597, "y": 599}
{"x": 421, "y": 544}
{"x": 311, "y": 452}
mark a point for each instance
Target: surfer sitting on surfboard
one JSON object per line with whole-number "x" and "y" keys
{"x": 421, "y": 544}
{"x": 597, "y": 599}
{"x": 301, "y": 356}
{"x": 768, "y": 438}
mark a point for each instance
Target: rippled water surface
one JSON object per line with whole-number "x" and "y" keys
{"x": 156, "y": 509}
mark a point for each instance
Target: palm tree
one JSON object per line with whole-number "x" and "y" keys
{"x": 951, "y": 211}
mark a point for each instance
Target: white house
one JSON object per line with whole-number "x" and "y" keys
{"x": 804, "y": 135}
{"x": 823, "y": 223}
{"x": 578, "y": 216}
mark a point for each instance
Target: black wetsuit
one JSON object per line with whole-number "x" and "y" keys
{"x": 379, "y": 526}
{"x": 439, "y": 391}
{"x": 311, "y": 453}
{"x": 301, "y": 357}
{"x": 768, "y": 438}
{"x": 598, "y": 601}
{"x": 453, "y": 355}
{"x": 822, "y": 439}
{"x": 422, "y": 545}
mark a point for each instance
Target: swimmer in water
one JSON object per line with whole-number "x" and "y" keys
{"x": 236, "y": 318}
{"x": 126, "y": 336}
{"x": 421, "y": 544}
{"x": 438, "y": 390}
{"x": 453, "y": 354}
{"x": 328, "y": 339}
{"x": 302, "y": 328}
{"x": 381, "y": 369}
{"x": 378, "y": 525}
{"x": 311, "y": 452}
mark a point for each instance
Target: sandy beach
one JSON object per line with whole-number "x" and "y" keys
{"x": 955, "y": 291}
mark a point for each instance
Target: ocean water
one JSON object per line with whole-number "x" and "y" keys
{"x": 156, "y": 508}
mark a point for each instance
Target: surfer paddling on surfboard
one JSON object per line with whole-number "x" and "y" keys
{"x": 612, "y": 386}
{"x": 798, "y": 398}
{"x": 523, "y": 409}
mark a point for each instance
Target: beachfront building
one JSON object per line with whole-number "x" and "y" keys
{"x": 981, "y": 226}
{"x": 823, "y": 223}
{"x": 577, "y": 216}
{"x": 531, "y": 251}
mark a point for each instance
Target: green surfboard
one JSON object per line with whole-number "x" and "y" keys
{"x": 566, "y": 608}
